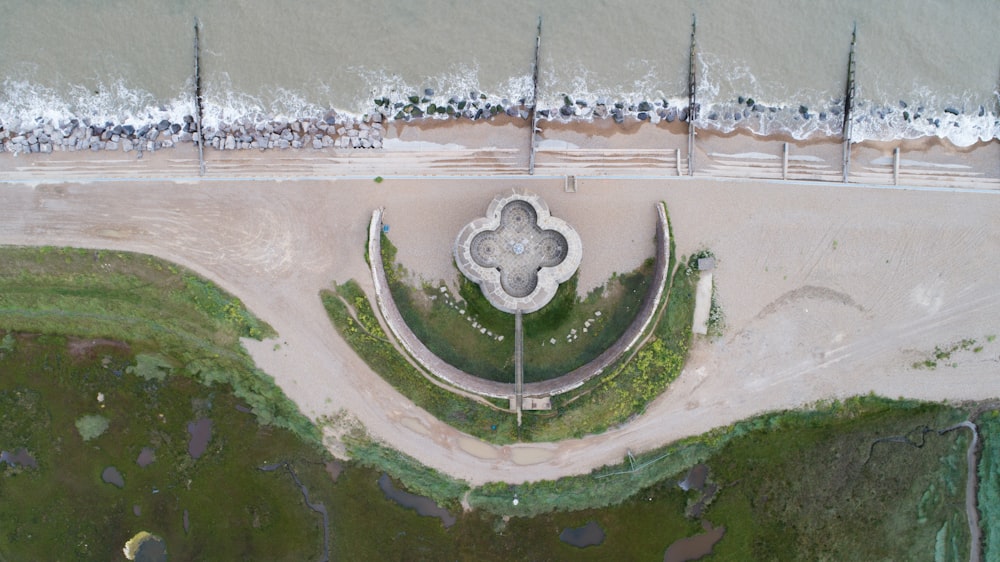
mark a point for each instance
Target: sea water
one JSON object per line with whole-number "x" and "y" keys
{"x": 923, "y": 67}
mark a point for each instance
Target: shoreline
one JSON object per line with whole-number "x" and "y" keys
{"x": 390, "y": 118}
{"x": 500, "y": 145}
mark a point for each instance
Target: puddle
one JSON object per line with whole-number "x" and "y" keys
{"x": 201, "y": 432}
{"x": 152, "y": 550}
{"x": 695, "y": 479}
{"x": 530, "y": 455}
{"x": 334, "y": 468}
{"x": 590, "y": 534}
{"x": 20, "y": 457}
{"x": 422, "y": 505}
{"x": 693, "y": 548}
{"x": 146, "y": 457}
{"x": 136, "y": 510}
{"x": 187, "y": 521}
{"x": 477, "y": 448}
{"x": 112, "y": 476}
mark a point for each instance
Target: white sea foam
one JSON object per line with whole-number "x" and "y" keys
{"x": 810, "y": 115}
{"x": 29, "y": 103}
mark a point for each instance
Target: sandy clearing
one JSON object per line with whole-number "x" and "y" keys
{"x": 829, "y": 291}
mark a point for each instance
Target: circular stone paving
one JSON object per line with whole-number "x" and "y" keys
{"x": 518, "y": 253}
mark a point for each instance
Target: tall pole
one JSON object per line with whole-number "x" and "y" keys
{"x": 849, "y": 105}
{"x": 692, "y": 98}
{"x": 534, "y": 100}
{"x": 197, "y": 99}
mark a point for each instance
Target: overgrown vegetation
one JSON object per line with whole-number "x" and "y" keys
{"x": 149, "y": 303}
{"x": 794, "y": 485}
{"x": 352, "y": 315}
{"x": 989, "y": 483}
{"x": 810, "y": 484}
{"x": 62, "y": 510}
{"x": 91, "y": 426}
{"x": 417, "y": 477}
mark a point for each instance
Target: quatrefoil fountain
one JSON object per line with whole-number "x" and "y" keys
{"x": 518, "y": 253}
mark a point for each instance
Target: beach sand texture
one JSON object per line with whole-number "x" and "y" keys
{"x": 829, "y": 290}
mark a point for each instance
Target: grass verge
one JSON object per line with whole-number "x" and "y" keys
{"x": 351, "y": 313}
{"x": 150, "y": 303}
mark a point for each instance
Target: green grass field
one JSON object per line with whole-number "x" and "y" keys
{"x": 453, "y": 326}
{"x": 150, "y": 303}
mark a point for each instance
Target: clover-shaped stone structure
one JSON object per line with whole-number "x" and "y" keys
{"x": 518, "y": 253}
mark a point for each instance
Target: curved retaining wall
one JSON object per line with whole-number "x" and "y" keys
{"x": 472, "y": 383}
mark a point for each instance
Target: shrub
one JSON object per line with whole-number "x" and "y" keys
{"x": 150, "y": 367}
{"x": 92, "y": 426}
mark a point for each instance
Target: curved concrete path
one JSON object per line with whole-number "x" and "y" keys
{"x": 829, "y": 291}
{"x": 455, "y": 377}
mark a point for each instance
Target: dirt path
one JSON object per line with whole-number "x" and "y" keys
{"x": 829, "y": 291}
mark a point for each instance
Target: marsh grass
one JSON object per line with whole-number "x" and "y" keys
{"x": 150, "y": 303}
{"x": 62, "y": 509}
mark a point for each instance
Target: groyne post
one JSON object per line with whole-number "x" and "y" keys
{"x": 895, "y": 166}
{"x": 534, "y": 107}
{"x": 784, "y": 161}
{"x": 692, "y": 97}
{"x": 849, "y": 104}
{"x": 197, "y": 99}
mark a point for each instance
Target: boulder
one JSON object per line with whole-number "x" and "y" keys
{"x": 163, "y": 125}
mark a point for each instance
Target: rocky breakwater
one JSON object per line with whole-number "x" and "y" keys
{"x": 652, "y": 111}
{"x": 74, "y": 135}
{"x": 331, "y": 131}
{"x": 43, "y": 136}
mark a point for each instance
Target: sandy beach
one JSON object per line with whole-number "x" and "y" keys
{"x": 829, "y": 290}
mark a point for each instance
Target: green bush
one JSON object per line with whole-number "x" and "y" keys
{"x": 150, "y": 367}
{"x": 92, "y": 426}
{"x": 8, "y": 343}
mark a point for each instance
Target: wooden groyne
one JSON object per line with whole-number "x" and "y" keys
{"x": 197, "y": 98}
{"x": 534, "y": 101}
{"x": 692, "y": 97}
{"x": 849, "y": 104}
